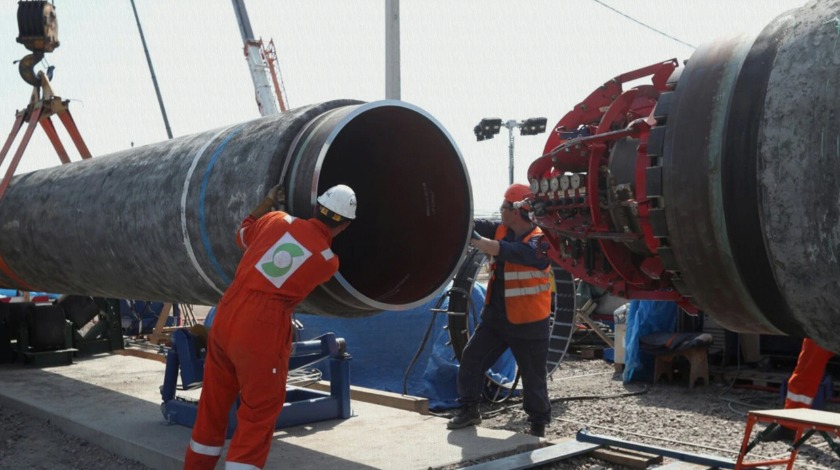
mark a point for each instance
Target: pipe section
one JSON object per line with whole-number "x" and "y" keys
{"x": 752, "y": 154}
{"x": 158, "y": 222}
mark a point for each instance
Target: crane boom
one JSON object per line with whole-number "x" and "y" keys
{"x": 262, "y": 63}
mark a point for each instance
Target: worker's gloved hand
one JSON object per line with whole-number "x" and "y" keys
{"x": 474, "y": 239}
{"x": 278, "y": 195}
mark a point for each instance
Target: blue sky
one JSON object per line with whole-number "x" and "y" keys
{"x": 461, "y": 60}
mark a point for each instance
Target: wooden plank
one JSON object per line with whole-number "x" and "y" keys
{"x": 627, "y": 458}
{"x": 589, "y": 352}
{"x": 379, "y": 397}
{"x": 704, "y": 459}
{"x": 141, "y": 354}
{"x": 158, "y": 336}
{"x": 538, "y": 457}
{"x": 583, "y": 315}
{"x": 367, "y": 395}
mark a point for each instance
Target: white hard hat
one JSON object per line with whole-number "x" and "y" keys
{"x": 339, "y": 199}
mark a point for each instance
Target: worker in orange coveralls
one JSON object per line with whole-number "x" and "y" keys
{"x": 804, "y": 383}
{"x": 249, "y": 345}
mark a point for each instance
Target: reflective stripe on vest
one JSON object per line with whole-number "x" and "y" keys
{"x": 527, "y": 275}
{"x": 527, "y": 289}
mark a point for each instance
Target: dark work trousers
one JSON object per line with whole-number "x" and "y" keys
{"x": 485, "y": 347}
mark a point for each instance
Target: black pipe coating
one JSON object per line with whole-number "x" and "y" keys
{"x": 158, "y": 222}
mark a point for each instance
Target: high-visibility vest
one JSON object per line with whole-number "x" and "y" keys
{"x": 527, "y": 289}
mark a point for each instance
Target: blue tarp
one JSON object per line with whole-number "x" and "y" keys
{"x": 645, "y": 317}
{"x": 382, "y": 347}
{"x": 139, "y": 317}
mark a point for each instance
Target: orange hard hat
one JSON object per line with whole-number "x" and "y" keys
{"x": 517, "y": 192}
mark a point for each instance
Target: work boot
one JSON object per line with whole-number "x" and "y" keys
{"x": 466, "y": 416}
{"x": 781, "y": 433}
{"x": 537, "y": 429}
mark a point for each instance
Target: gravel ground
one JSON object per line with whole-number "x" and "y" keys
{"x": 32, "y": 443}
{"x": 705, "y": 420}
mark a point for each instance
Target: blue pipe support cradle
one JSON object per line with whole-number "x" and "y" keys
{"x": 302, "y": 405}
{"x": 701, "y": 459}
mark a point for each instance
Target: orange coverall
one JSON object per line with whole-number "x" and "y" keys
{"x": 805, "y": 380}
{"x": 249, "y": 344}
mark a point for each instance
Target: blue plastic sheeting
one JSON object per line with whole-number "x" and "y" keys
{"x": 382, "y": 347}
{"x": 645, "y": 317}
{"x": 139, "y": 317}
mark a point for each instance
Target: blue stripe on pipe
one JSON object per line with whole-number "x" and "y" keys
{"x": 205, "y": 239}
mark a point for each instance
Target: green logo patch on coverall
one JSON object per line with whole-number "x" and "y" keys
{"x": 282, "y": 260}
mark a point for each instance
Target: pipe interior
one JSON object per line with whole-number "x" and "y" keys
{"x": 413, "y": 204}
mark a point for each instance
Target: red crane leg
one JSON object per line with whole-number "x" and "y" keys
{"x": 15, "y": 129}
{"x": 33, "y": 122}
{"x": 49, "y": 129}
{"x": 70, "y": 124}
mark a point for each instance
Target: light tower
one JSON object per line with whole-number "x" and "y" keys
{"x": 489, "y": 127}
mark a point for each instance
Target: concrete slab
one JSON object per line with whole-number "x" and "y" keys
{"x": 114, "y": 401}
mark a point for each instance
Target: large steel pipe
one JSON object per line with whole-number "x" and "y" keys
{"x": 750, "y": 175}
{"x": 158, "y": 222}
